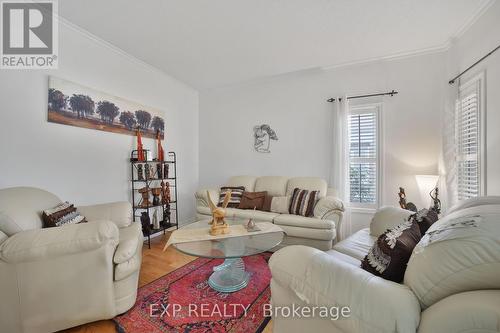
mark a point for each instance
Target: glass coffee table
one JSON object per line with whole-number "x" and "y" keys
{"x": 230, "y": 276}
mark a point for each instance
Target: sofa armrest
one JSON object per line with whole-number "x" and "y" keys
{"x": 45, "y": 244}
{"x": 201, "y": 197}
{"x": 320, "y": 279}
{"x": 120, "y": 213}
{"x": 472, "y": 311}
{"x": 3, "y": 237}
{"x": 329, "y": 208}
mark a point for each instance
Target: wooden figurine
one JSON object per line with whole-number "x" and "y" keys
{"x": 145, "y": 197}
{"x": 140, "y": 150}
{"x": 165, "y": 192}
{"x": 219, "y": 226}
{"x": 156, "y": 191}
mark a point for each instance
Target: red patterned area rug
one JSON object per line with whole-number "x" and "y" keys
{"x": 182, "y": 301}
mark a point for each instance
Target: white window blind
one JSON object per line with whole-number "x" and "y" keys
{"x": 468, "y": 140}
{"x": 363, "y": 155}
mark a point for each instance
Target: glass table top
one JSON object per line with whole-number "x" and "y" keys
{"x": 232, "y": 247}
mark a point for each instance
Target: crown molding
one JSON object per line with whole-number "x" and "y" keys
{"x": 483, "y": 8}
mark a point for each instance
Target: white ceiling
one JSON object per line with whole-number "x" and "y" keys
{"x": 209, "y": 43}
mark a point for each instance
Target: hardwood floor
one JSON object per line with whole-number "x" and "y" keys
{"x": 155, "y": 263}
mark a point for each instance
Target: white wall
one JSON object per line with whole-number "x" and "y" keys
{"x": 481, "y": 38}
{"x": 295, "y": 107}
{"x": 89, "y": 166}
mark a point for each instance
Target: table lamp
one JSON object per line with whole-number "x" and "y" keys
{"x": 427, "y": 186}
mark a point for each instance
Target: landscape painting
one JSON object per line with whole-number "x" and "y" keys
{"x": 72, "y": 104}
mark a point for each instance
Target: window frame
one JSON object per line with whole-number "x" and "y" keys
{"x": 479, "y": 81}
{"x": 367, "y": 108}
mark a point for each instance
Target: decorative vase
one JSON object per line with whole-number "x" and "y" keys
{"x": 156, "y": 195}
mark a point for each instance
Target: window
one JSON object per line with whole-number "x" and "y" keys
{"x": 364, "y": 154}
{"x": 470, "y": 139}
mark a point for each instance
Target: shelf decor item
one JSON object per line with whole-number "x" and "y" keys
{"x": 164, "y": 193}
{"x": 140, "y": 173}
{"x": 156, "y": 191}
{"x": 218, "y": 224}
{"x": 140, "y": 150}
{"x": 160, "y": 156}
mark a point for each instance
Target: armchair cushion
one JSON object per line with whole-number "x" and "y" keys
{"x": 357, "y": 245}
{"x": 387, "y": 218}
{"x": 33, "y": 245}
{"x": 304, "y": 222}
{"x": 120, "y": 213}
{"x": 325, "y": 279}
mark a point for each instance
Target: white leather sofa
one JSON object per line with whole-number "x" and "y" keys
{"x": 56, "y": 278}
{"x": 319, "y": 231}
{"x": 452, "y": 284}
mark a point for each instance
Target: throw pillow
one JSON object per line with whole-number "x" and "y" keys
{"x": 64, "y": 213}
{"x": 266, "y": 206}
{"x": 236, "y": 193}
{"x": 425, "y": 218}
{"x": 302, "y": 202}
{"x": 252, "y": 200}
{"x": 391, "y": 252}
{"x": 280, "y": 205}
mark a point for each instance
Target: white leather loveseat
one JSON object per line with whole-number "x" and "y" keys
{"x": 56, "y": 278}
{"x": 318, "y": 231}
{"x": 451, "y": 284}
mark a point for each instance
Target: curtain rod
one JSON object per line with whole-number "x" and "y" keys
{"x": 391, "y": 93}
{"x": 473, "y": 65}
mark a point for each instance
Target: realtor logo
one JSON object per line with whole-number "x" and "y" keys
{"x": 29, "y": 35}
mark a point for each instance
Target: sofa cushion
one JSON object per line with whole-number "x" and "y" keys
{"x": 248, "y": 182}
{"x": 21, "y": 208}
{"x": 460, "y": 252}
{"x": 311, "y": 233}
{"x": 280, "y": 204}
{"x": 236, "y": 194}
{"x": 357, "y": 245}
{"x": 390, "y": 254}
{"x": 252, "y": 200}
{"x": 387, "y": 218}
{"x": 307, "y": 183}
{"x": 303, "y": 202}
{"x": 304, "y": 222}
{"x": 274, "y": 185}
{"x": 266, "y": 206}
{"x": 474, "y": 202}
{"x": 425, "y": 218}
{"x": 249, "y": 214}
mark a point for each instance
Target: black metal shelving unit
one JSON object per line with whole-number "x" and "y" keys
{"x": 169, "y": 211}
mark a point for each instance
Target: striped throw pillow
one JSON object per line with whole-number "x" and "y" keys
{"x": 302, "y": 202}
{"x": 236, "y": 194}
{"x": 64, "y": 213}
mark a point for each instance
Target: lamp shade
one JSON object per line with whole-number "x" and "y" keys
{"x": 426, "y": 183}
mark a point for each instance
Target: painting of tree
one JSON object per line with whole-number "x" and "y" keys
{"x": 158, "y": 124}
{"x": 83, "y": 105}
{"x": 57, "y": 100}
{"x": 143, "y": 118}
{"x": 108, "y": 111}
{"x": 72, "y": 104}
{"x": 127, "y": 118}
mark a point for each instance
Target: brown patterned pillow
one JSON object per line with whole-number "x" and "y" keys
{"x": 425, "y": 218}
{"x": 64, "y": 213}
{"x": 390, "y": 254}
{"x": 266, "y": 206}
{"x": 236, "y": 194}
{"x": 302, "y": 202}
{"x": 252, "y": 200}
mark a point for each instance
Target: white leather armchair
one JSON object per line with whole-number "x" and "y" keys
{"x": 451, "y": 284}
{"x": 56, "y": 278}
